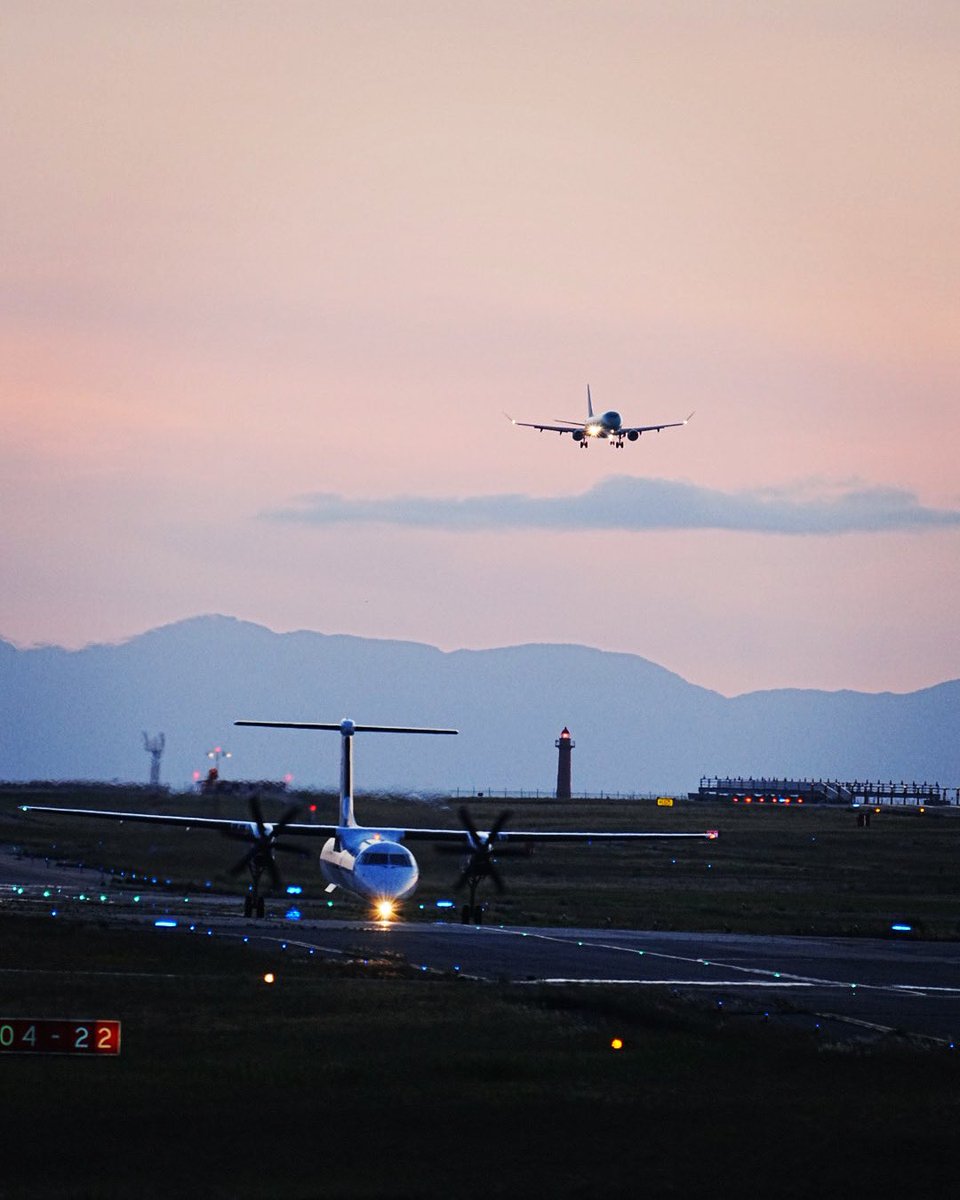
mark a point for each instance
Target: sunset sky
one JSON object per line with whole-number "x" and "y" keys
{"x": 272, "y": 272}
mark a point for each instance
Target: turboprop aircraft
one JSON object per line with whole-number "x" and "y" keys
{"x": 608, "y": 426}
{"x": 370, "y": 862}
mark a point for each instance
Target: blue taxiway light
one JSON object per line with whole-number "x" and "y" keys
{"x": 292, "y": 914}
{"x": 899, "y": 927}
{"x": 294, "y": 889}
{"x": 164, "y": 923}
{"x": 446, "y": 904}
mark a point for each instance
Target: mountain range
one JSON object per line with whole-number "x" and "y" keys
{"x": 638, "y": 728}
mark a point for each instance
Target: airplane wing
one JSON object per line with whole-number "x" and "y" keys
{"x": 223, "y": 824}
{"x": 233, "y": 825}
{"x": 653, "y": 428}
{"x": 539, "y": 835}
{"x": 548, "y": 428}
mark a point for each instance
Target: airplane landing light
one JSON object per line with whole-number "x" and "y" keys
{"x": 385, "y": 910}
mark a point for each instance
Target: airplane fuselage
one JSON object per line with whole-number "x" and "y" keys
{"x": 370, "y": 863}
{"x": 606, "y": 425}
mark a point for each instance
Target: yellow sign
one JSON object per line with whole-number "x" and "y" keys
{"x": 664, "y": 802}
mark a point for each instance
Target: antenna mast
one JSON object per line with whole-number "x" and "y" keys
{"x": 154, "y": 747}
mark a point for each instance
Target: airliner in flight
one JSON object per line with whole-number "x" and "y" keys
{"x": 607, "y": 426}
{"x": 370, "y": 862}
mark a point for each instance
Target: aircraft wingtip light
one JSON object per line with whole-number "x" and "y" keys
{"x": 713, "y": 833}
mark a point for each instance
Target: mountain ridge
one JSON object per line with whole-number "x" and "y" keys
{"x": 79, "y": 714}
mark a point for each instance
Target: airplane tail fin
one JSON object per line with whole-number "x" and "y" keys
{"x": 346, "y": 728}
{"x": 589, "y": 403}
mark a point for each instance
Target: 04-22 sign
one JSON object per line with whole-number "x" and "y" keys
{"x": 41, "y": 1035}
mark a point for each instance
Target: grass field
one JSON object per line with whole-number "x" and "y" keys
{"x": 361, "y": 1080}
{"x": 807, "y": 870}
{"x": 372, "y": 1080}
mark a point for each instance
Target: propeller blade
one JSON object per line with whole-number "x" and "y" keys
{"x": 467, "y": 822}
{"x": 245, "y": 861}
{"x": 285, "y": 820}
{"x": 257, "y": 809}
{"x": 498, "y": 825}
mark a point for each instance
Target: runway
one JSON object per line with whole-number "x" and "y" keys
{"x": 909, "y": 987}
{"x": 869, "y": 985}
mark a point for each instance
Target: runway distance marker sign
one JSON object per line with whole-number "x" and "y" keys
{"x": 41, "y": 1035}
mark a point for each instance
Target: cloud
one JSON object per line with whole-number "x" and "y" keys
{"x": 629, "y": 504}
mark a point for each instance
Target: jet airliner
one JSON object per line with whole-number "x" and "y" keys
{"x": 606, "y": 426}
{"x": 370, "y": 862}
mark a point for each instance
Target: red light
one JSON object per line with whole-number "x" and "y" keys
{"x": 313, "y": 808}
{"x": 565, "y": 733}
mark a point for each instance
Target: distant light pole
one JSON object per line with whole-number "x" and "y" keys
{"x": 216, "y": 754}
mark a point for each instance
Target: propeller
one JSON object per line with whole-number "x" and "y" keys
{"x": 265, "y": 840}
{"x": 481, "y": 863}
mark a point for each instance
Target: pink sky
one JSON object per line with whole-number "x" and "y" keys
{"x": 259, "y": 251}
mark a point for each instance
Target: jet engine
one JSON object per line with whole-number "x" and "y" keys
{"x": 632, "y": 435}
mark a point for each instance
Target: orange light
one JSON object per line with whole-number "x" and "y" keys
{"x": 384, "y": 909}
{"x": 269, "y": 977}
{"x": 616, "y": 1044}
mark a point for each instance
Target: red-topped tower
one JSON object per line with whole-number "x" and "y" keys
{"x": 564, "y": 745}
